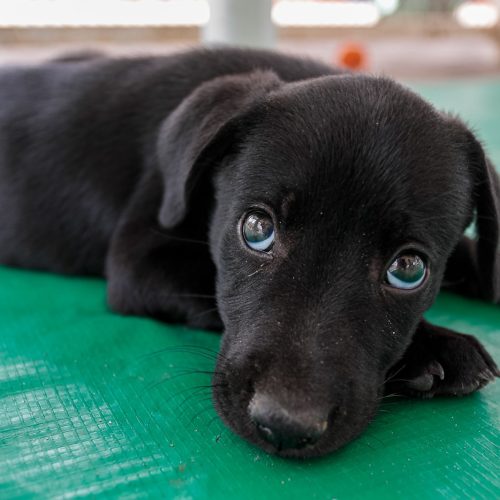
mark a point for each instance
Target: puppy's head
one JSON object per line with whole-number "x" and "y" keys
{"x": 338, "y": 202}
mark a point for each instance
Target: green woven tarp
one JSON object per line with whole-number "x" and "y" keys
{"x": 92, "y": 403}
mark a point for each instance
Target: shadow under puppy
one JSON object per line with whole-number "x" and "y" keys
{"x": 311, "y": 215}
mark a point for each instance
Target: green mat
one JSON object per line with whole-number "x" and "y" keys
{"x": 92, "y": 403}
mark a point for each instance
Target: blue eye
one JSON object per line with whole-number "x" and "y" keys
{"x": 258, "y": 230}
{"x": 406, "y": 272}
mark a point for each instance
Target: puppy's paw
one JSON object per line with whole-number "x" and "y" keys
{"x": 441, "y": 362}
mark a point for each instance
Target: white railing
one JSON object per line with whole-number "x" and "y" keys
{"x": 75, "y": 13}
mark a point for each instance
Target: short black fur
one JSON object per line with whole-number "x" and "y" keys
{"x": 142, "y": 170}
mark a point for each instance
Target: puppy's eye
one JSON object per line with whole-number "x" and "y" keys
{"x": 258, "y": 230}
{"x": 406, "y": 272}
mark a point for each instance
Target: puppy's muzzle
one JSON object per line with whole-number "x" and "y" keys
{"x": 283, "y": 427}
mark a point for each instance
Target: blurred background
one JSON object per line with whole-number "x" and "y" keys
{"x": 84, "y": 417}
{"x": 401, "y": 38}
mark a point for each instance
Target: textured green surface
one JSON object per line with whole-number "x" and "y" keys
{"x": 93, "y": 403}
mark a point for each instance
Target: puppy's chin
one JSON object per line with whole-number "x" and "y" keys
{"x": 344, "y": 424}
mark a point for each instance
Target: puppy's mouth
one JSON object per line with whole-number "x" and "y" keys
{"x": 286, "y": 431}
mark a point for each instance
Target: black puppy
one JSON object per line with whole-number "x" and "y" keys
{"x": 323, "y": 211}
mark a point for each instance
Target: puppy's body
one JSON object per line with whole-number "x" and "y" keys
{"x": 78, "y": 134}
{"x": 147, "y": 170}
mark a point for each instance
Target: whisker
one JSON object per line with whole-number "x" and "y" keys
{"x": 203, "y": 410}
{"x": 188, "y": 349}
{"x": 259, "y": 269}
{"x": 197, "y": 390}
{"x": 199, "y": 350}
{"x": 212, "y": 420}
{"x": 200, "y": 354}
{"x": 393, "y": 395}
{"x": 186, "y": 346}
{"x": 400, "y": 380}
{"x": 206, "y": 311}
{"x": 159, "y": 231}
{"x": 390, "y": 406}
{"x": 192, "y": 396}
{"x": 182, "y": 374}
{"x": 392, "y": 376}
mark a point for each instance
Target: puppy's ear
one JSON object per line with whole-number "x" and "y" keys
{"x": 475, "y": 265}
{"x": 200, "y": 131}
{"x": 487, "y": 196}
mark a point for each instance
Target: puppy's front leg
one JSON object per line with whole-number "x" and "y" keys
{"x": 152, "y": 272}
{"x": 441, "y": 362}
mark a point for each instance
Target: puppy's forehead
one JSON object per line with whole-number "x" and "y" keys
{"x": 361, "y": 122}
{"x": 359, "y": 141}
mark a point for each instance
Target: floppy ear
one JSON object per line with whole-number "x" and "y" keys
{"x": 487, "y": 196}
{"x": 197, "y": 134}
{"x": 474, "y": 267}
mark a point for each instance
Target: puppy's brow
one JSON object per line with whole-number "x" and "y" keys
{"x": 375, "y": 268}
{"x": 286, "y": 204}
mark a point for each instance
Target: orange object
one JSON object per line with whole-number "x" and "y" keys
{"x": 352, "y": 56}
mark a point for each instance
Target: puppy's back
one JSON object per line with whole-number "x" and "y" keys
{"x": 76, "y": 133}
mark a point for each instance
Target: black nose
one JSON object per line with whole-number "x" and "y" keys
{"x": 282, "y": 428}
